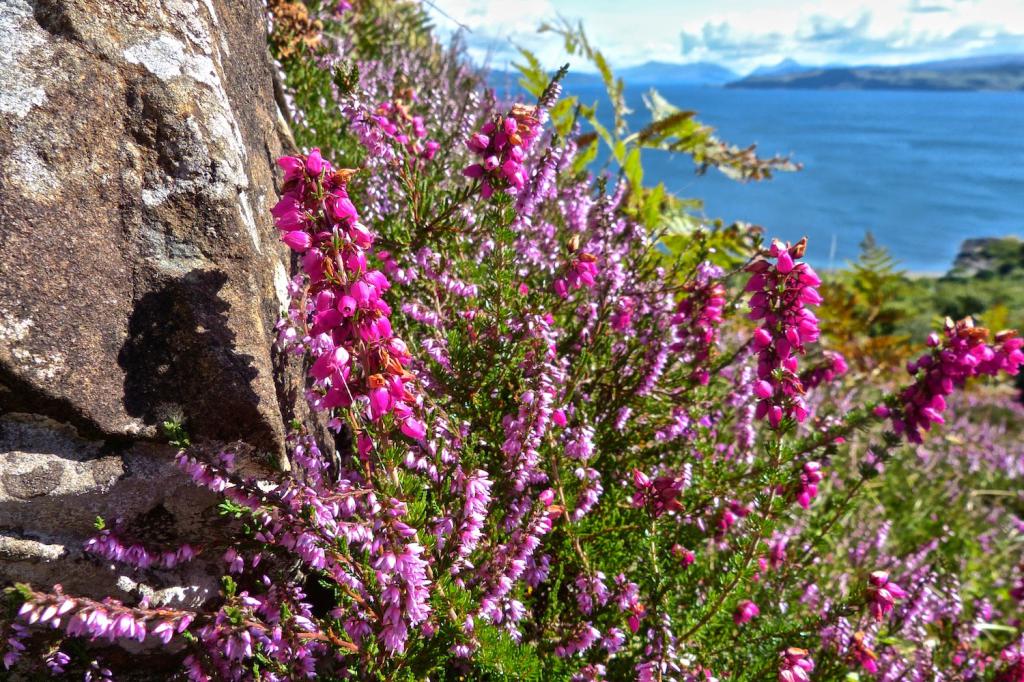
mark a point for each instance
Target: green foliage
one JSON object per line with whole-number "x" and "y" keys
{"x": 676, "y": 130}
{"x": 993, "y": 259}
{"x": 229, "y": 586}
{"x": 865, "y": 306}
{"x": 175, "y": 433}
{"x": 503, "y": 660}
{"x": 576, "y": 43}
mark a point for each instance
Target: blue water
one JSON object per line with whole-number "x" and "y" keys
{"x": 922, "y": 170}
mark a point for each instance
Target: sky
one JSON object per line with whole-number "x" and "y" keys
{"x": 741, "y": 34}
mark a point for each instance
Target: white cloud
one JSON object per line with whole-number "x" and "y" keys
{"x": 935, "y": 5}
{"x": 495, "y": 26}
{"x": 746, "y": 33}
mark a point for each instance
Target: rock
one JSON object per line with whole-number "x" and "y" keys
{"x": 140, "y": 271}
{"x": 53, "y": 486}
{"x": 988, "y": 257}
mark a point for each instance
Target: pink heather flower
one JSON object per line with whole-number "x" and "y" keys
{"x": 414, "y": 428}
{"x": 330, "y": 364}
{"x": 686, "y": 556}
{"x": 584, "y": 637}
{"x": 660, "y": 495}
{"x": 14, "y": 645}
{"x": 288, "y": 213}
{"x": 834, "y": 365}
{"x": 745, "y": 612}
{"x": 809, "y": 479}
{"x": 502, "y": 144}
{"x": 581, "y": 272}
{"x": 163, "y": 631}
{"x": 315, "y": 164}
{"x": 882, "y": 594}
{"x": 862, "y": 654}
{"x": 795, "y": 665}
{"x": 1012, "y": 660}
{"x": 963, "y": 354}
{"x": 627, "y": 598}
{"x": 614, "y": 640}
{"x": 780, "y": 294}
{"x": 763, "y": 389}
{"x": 698, "y": 317}
{"x": 394, "y": 120}
{"x": 106, "y": 544}
{"x": 297, "y": 240}
{"x": 56, "y": 661}
{"x": 234, "y": 560}
{"x": 357, "y": 358}
{"x": 590, "y": 493}
{"x": 293, "y": 167}
{"x": 474, "y": 514}
{"x": 591, "y": 592}
{"x": 622, "y": 319}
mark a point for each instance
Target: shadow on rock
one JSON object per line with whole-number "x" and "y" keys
{"x": 180, "y": 362}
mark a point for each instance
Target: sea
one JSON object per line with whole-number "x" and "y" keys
{"x": 922, "y": 171}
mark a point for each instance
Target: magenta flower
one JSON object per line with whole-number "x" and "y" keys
{"x": 501, "y": 145}
{"x": 686, "y": 556}
{"x": 660, "y": 495}
{"x": 810, "y": 477}
{"x": 698, "y": 317}
{"x": 745, "y": 612}
{"x": 356, "y": 358}
{"x": 796, "y": 665}
{"x": 834, "y": 365}
{"x": 106, "y": 544}
{"x": 963, "y": 354}
{"x": 862, "y": 654}
{"x": 780, "y": 296}
{"x": 297, "y": 240}
{"x": 581, "y": 272}
{"x": 882, "y": 594}
{"x": 395, "y": 120}
{"x": 414, "y": 428}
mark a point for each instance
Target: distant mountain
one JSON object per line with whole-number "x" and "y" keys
{"x": 646, "y": 74}
{"x": 981, "y": 62}
{"x": 782, "y": 68}
{"x": 695, "y": 73}
{"x": 998, "y": 72}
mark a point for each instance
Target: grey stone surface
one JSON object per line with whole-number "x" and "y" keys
{"x": 55, "y": 483}
{"x": 140, "y": 271}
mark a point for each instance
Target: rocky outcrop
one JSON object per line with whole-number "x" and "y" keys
{"x": 140, "y": 273}
{"x": 988, "y": 257}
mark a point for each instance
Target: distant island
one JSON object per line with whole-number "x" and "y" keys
{"x": 659, "y": 73}
{"x": 999, "y": 72}
{"x": 694, "y": 73}
{"x": 996, "y": 72}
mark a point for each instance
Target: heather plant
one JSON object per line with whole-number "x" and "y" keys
{"x": 875, "y": 311}
{"x": 559, "y": 430}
